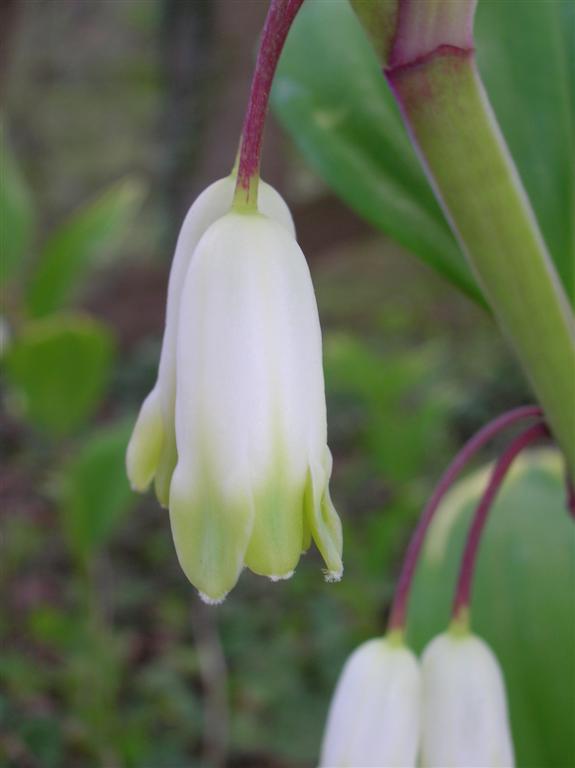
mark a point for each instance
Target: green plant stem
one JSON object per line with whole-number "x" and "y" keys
{"x": 446, "y": 110}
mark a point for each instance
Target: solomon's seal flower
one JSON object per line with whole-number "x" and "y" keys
{"x": 374, "y": 717}
{"x": 152, "y": 451}
{"x": 251, "y": 484}
{"x": 465, "y": 721}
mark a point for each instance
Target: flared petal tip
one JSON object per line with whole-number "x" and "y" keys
{"x": 281, "y": 577}
{"x": 137, "y": 486}
{"x": 212, "y": 600}
{"x": 333, "y": 576}
{"x": 145, "y": 444}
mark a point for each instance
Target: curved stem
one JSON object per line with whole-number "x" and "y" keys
{"x": 399, "y": 607}
{"x": 281, "y": 15}
{"x": 463, "y": 590}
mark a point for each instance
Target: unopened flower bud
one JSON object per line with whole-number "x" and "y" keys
{"x": 374, "y": 718}
{"x": 465, "y": 721}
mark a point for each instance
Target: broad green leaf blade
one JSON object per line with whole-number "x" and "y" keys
{"x": 96, "y": 229}
{"x": 16, "y": 213}
{"x": 58, "y": 369}
{"x": 523, "y": 598}
{"x": 524, "y": 60}
{"x": 332, "y": 98}
{"x": 95, "y": 494}
{"x": 330, "y": 94}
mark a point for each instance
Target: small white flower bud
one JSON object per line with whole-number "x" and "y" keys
{"x": 374, "y": 718}
{"x": 465, "y": 721}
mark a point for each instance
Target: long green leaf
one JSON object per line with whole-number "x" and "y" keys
{"x": 71, "y": 251}
{"x": 524, "y": 58}
{"x": 331, "y": 96}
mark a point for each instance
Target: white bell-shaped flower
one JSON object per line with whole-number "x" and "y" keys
{"x": 465, "y": 720}
{"x": 374, "y": 718}
{"x": 152, "y": 451}
{"x": 251, "y": 484}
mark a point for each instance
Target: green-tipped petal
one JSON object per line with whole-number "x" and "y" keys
{"x": 306, "y": 530}
{"x": 211, "y": 533}
{"x": 145, "y": 443}
{"x": 276, "y": 543}
{"x": 322, "y": 518}
{"x": 167, "y": 461}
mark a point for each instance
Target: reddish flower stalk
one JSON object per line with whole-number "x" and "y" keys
{"x": 281, "y": 15}
{"x": 490, "y": 430}
{"x": 463, "y": 590}
{"x": 570, "y": 496}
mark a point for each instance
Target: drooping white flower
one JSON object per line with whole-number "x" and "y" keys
{"x": 251, "y": 484}
{"x": 374, "y": 718}
{"x": 465, "y": 720}
{"x": 152, "y": 451}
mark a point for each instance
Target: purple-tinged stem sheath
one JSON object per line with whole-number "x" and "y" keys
{"x": 280, "y": 17}
{"x": 570, "y": 496}
{"x": 467, "y": 570}
{"x": 490, "y": 430}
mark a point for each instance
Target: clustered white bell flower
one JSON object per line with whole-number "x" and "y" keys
{"x": 450, "y": 711}
{"x": 234, "y": 431}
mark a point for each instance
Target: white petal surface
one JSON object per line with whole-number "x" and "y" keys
{"x": 374, "y": 717}
{"x": 465, "y": 721}
{"x": 146, "y": 443}
{"x": 250, "y": 406}
{"x": 214, "y": 202}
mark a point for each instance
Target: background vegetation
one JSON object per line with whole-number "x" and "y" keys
{"x": 115, "y": 115}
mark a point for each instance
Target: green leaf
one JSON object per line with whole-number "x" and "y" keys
{"x": 16, "y": 213}
{"x": 59, "y": 368}
{"x": 95, "y": 491}
{"x": 522, "y": 602}
{"x": 341, "y": 114}
{"x": 524, "y": 59}
{"x": 330, "y": 95}
{"x": 93, "y": 231}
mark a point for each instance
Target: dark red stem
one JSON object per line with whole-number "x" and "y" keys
{"x": 281, "y": 15}
{"x": 570, "y": 496}
{"x": 399, "y": 607}
{"x": 463, "y": 590}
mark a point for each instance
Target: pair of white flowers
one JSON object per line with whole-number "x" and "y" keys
{"x": 391, "y": 711}
{"x": 234, "y": 432}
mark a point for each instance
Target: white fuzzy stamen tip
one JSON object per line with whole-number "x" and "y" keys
{"x": 212, "y": 600}
{"x": 333, "y": 576}
{"x": 283, "y": 577}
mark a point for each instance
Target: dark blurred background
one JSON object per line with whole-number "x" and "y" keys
{"x": 108, "y": 658}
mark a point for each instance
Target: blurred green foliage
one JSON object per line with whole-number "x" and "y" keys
{"x": 72, "y": 250}
{"x": 95, "y": 493}
{"x": 16, "y": 211}
{"x": 58, "y": 368}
